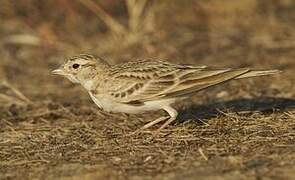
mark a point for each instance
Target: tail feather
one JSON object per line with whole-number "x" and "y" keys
{"x": 206, "y": 78}
{"x": 254, "y": 73}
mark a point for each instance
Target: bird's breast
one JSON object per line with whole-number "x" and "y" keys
{"x": 88, "y": 84}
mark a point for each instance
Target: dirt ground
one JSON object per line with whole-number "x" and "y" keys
{"x": 50, "y": 129}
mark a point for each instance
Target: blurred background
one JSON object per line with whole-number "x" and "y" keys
{"x": 38, "y": 33}
{"x": 43, "y": 116}
{"x": 123, "y": 29}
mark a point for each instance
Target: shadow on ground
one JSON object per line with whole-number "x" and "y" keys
{"x": 264, "y": 105}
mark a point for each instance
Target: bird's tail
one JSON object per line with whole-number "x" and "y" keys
{"x": 254, "y": 73}
{"x": 205, "y": 78}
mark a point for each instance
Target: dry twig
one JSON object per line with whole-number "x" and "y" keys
{"x": 113, "y": 24}
{"x": 20, "y": 95}
{"x": 135, "y": 10}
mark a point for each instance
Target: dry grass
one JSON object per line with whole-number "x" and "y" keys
{"x": 50, "y": 129}
{"x": 113, "y": 25}
{"x": 139, "y": 17}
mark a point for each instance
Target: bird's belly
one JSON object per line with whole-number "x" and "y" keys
{"x": 111, "y": 106}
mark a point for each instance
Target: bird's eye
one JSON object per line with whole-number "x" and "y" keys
{"x": 76, "y": 66}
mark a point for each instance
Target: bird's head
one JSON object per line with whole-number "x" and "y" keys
{"x": 81, "y": 68}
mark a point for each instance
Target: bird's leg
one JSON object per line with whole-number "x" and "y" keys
{"x": 150, "y": 124}
{"x": 173, "y": 114}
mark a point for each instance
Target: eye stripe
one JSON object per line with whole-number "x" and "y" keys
{"x": 87, "y": 65}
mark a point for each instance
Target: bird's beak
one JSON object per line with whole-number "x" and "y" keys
{"x": 58, "y": 72}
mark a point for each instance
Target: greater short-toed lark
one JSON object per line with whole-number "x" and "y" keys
{"x": 145, "y": 85}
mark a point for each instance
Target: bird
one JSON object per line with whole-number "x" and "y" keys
{"x": 147, "y": 84}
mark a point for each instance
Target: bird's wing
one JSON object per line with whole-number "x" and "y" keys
{"x": 149, "y": 81}
{"x": 142, "y": 81}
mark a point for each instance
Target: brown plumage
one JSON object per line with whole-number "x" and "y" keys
{"x": 146, "y": 85}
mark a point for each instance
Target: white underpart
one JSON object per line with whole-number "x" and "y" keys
{"x": 111, "y": 106}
